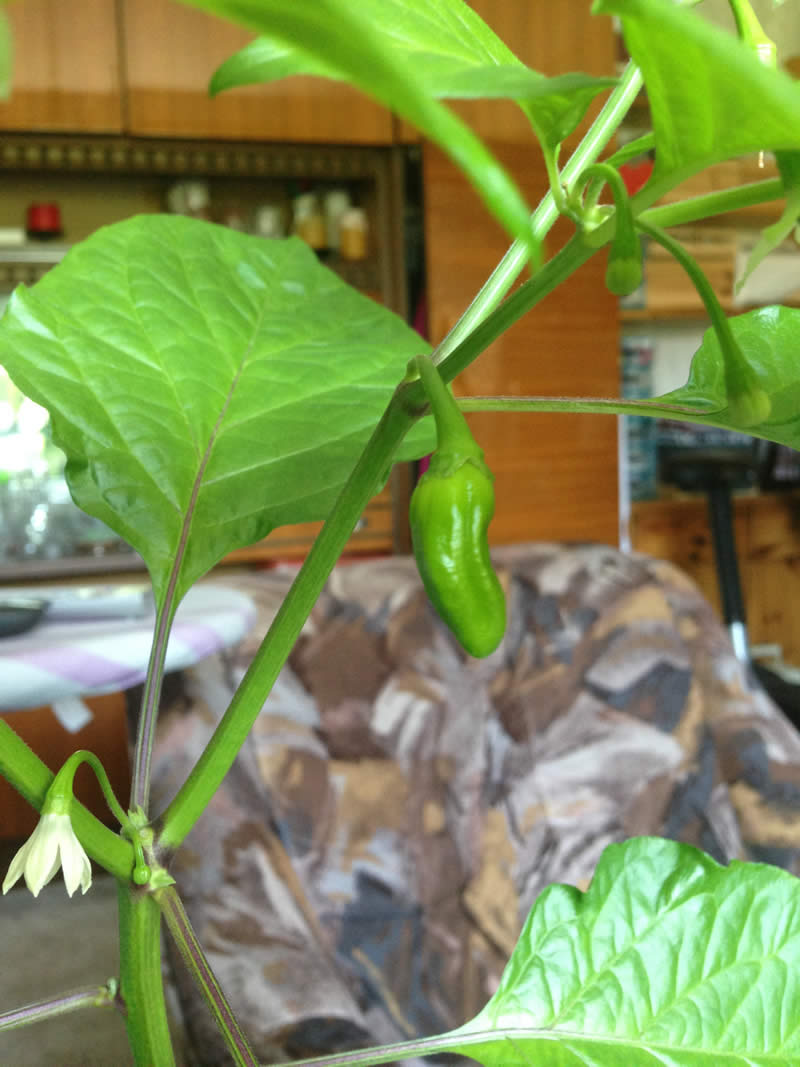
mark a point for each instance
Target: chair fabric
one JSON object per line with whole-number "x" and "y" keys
{"x": 365, "y": 869}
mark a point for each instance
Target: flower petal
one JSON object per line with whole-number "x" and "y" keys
{"x": 44, "y": 860}
{"x": 17, "y": 866}
{"x": 75, "y": 862}
{"x": 52, "y": 844}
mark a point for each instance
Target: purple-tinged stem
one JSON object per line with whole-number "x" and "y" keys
{"x": 88, "y": 997}
{"x": 195, "y": 959}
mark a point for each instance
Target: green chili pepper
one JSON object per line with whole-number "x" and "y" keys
{"x": 451, "y": 508}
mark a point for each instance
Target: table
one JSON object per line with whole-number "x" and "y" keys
{"x": 60, "y": 661}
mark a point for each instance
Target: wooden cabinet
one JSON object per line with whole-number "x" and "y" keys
{"x": 171, "y": 52}
{"x": 555, "y": 475}
{"x": 66, "y": 67}
{"x": 553, "y": 38}
{"x": 767, "y": 532}
{"x": 106, "y": 734}
{"x": 142, "y": 66}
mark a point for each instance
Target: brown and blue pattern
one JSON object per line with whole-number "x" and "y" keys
{"x": 363, "y": 873}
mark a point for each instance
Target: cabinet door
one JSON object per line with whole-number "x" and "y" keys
{"x": 172, "y": 51}
{"x": 66, "y": 67}
{"x": 555, "y": 475}
{"x": 553, "y": 38}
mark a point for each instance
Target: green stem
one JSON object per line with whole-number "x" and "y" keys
{"x": 586, "y": 404}
{"x": 216, "y": 760}
{"x": 32, "y": 779}
{"x": 564, "y": 263}
{"x": 554, "y": 178}
{"x": 637, "y": 147}
{"x": 752, "y": 32}
{"x": 452, "y": 432}
{"x": 624, "y": 270}
{"x": 145, "y": 733}
{"x": 61, "y": 789}
{"x": 516, "y": 258}
{"x": 734, "y": 360}
{"x": 60, "y": 798}
{"x": 707, "y": 205}
{"x": 141, "y": 983}
{"x": 195, "y": 959}
{"x": 88, "y": 997}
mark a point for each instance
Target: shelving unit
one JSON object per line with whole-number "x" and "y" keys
{"x": 98, "y": 180}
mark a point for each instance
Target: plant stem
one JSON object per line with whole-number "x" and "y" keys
{"x": 718, "y": 203}
{"x": 141, "y": 983}
{"x": 573, "y": 255}
{"x": 66, "y": 775}
{"x": 145, "y": 733}
{"x": 453, "y": 435}
{"x": 514, "y": 261}
{"x": 88, "y": 997}
{"x": 229, "y": 736}
{"x": 32, "y": 779}
{"x": 195, "y": 959}
{"x": 588, "y": 404}
{"x": 705, "y": 290}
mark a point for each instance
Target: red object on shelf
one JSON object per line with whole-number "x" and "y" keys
{"x": 43, "y": 220}
{"x": 635, "y": 175}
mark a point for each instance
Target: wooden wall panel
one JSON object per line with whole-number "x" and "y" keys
{"x": 556, "y": 475}
{"x": 66, "y": 67}
{"x": 767, "y": 532}
{"x": 106, "y": 735}
{"x": 171, "y": 53}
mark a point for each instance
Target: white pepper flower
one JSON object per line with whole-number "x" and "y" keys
{"x": 52, "y": 844}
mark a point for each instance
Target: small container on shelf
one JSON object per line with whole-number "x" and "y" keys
{"x": 336, "y": 203}
{"x": 191, "y": 198}
{"x": 269, "y": 221}
{"x": 43, "y": 221}
{"x": 308, "y": 222}
{"x": 12, "y": 237}
{"x": 353, "y": 234}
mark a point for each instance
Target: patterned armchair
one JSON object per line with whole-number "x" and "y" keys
{"x": 363, "y": 873}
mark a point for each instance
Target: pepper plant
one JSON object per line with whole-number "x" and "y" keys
{"x": 207, "y": 386}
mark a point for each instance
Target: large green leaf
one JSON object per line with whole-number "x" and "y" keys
{"x": 453, "y": 54}
{"x": 667, "y": 959}
{"x": 206, "y": 386}
{"x": 711, "y": 98}
{"x": 342, "y": 36}
{"x": 769, "y": 338}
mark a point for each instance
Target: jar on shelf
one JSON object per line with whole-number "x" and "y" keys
{"x": 308, "y": 222}
{"x": 191, "y": 198}
{"x": 336, "y": 204}
{"x": 353, "y": 234}
{"x": 268, "y": 221}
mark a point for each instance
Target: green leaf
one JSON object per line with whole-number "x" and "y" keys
{"x": 453, "y": 54}
{"x": 776, "y": 234}
{"x": 667, "y": 959}
{"x": 710, "y": 96}
{"x": 769, "y": 339}
{"x": 206, "y": 386}
{"x": 343, "y": 36}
